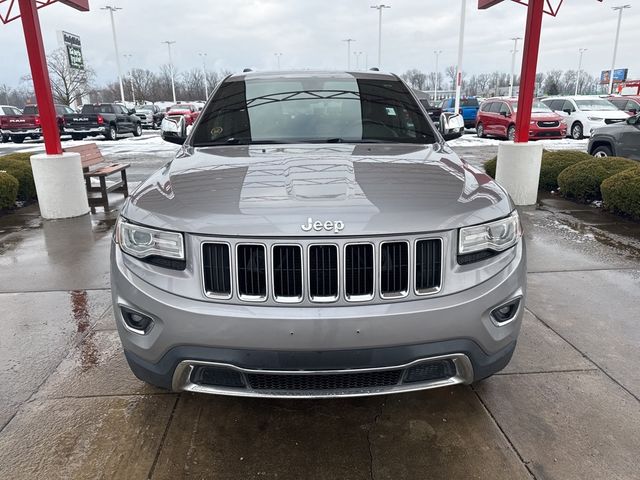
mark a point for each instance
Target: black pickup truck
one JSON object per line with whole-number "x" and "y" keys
{"x": 108, "y": 119}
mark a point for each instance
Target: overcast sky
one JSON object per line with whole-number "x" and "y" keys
{"x": 239, "y": 33}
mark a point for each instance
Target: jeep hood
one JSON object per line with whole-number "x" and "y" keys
{"x": 273, "y": 190}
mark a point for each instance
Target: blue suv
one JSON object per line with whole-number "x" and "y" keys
{"x": 468, "y": 109}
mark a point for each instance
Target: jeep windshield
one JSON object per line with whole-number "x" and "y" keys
{"x": 312, "y": 109}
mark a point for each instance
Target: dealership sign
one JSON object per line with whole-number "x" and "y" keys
{"x": 619, "y": 75}
{"x": 73, "y": 47}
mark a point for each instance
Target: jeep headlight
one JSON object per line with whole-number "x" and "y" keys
{"x": 143, "y": 242}
{"x": 492, "y": 237}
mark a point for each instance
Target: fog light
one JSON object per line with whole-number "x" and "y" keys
{"x": 507, "y": 312}
{"x": 135, "y": 321}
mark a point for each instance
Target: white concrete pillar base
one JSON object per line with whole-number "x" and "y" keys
{"x": 60, "y": 185}
{"x": 518, "y": 170}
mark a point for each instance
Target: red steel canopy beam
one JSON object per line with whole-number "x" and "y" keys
{"x": 535, "y": 10}
{"x": 40, "y": 75}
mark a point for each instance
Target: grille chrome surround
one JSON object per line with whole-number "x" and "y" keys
{"x": 243, "y": 278}
{"x": 435, "y": 289}
{"x": 323, "y": 298}
{"x": 308, "y": 298}
{"x": 208, "y": 292}
{"x": 399, "y": 293}
{"x": 360, "y": 297}
{"x": 274, "y": 273}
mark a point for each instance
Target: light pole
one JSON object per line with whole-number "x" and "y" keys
{"x": 173, "y": 84}
{"x": 463, "y": 9}
{"x": 435, "y": 83}
{"x": 615, "y": 46}
{"x": 203, "y": 56}
{"x": 357, "y": 55}
{"x": 581, "y": 50}
{"x": 278, "y": 55}
{"x": 513, "y": 63}
{"x": 115, "y": 45}
{"x": 348, "y": 40}
{"x": 380, "y": 8}
{"x": 128, "y": 57}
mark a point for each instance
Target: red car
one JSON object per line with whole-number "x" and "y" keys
{"x": 627, "y": 103}
{"x": 497, "y": 118}
{"x": 188, "y": 110}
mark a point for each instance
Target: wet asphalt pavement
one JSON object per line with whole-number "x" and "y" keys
{"x": 566, "y": 407}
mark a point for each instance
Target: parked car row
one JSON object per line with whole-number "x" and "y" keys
{"x": 555, "y": 117}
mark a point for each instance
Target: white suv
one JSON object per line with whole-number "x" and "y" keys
{"x": 584, "y": 114}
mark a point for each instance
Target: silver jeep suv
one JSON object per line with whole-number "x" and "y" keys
{"x": 316, "y": 237}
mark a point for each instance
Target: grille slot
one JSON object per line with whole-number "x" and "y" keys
{"x": 428, "y": 266}
{"x": 394, "y": 269}
{"x": 252, "y": 281}
{"x": 287, "y": 273}
{"x": 341, "y": 381}
{"x": 549, "y": 124}
{"x": 323, "y": 273}
{"x": 358, "y": 272}
{"x": 217, "y": 269}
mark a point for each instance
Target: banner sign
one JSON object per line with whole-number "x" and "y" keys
{"x": 619, "y": 75}
{"x": 73, "y": 47}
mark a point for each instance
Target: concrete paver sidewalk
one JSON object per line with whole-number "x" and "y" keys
{"x": 567, "y": 407}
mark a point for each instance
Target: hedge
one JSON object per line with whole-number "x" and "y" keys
{"x": 555, "y": 162}
{"x": 582, "y": 180}
{"x": 490, "y": 166}
{"x": 21, "y": 170}
{"x": 23, "y": 157}
{"x": 621, "y": 192}
{"x": 552, "y": 164}
{"x": 8, "y": 190}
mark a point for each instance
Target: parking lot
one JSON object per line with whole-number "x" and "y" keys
{"x": 566, "y": 407}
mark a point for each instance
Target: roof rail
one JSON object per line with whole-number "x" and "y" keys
{"x": 374, "y": 69}
{"x": 247, "y": 70}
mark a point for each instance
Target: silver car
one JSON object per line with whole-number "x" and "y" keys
{"x": 316, "y": 237}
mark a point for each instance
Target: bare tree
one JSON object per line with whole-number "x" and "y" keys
{"x": 67, "y": 84}
{"x": 415, "y": 78}
{"x": 17, "y": 97}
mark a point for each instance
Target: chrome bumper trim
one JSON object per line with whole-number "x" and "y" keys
{"x": 182, "y": 380}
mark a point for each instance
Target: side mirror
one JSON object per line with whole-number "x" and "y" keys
{"x": 633, "y": 111}
{"x": 131, "y": 111}
{"x": 504, "y": 114}
{"x": 632, "y": 120}
{"x": 173, "y": 129}
{"x": 568, "y": 111}
{"x": 451, "y": 125}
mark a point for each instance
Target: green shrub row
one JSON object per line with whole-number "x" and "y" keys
{"x": 582, "y": 180}
{"x": 552, "y": 164}
{"x": 621, "y": 192}
{"x": 579, "y": 176}
{"x": 8, "y": 189}
{"x": 18, "y": 166}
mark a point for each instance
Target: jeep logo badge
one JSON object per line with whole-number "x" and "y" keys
{"x": 336, "y": 226}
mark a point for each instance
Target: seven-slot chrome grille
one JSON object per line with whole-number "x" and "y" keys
{"x": 321, "y": 272}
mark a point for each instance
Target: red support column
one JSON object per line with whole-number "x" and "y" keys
{"x": 528, "y": 72}
{"x": 40, "y": 74}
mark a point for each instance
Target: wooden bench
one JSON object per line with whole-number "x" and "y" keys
{"x": 90, "y": 155}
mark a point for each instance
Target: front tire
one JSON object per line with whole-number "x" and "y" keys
{"x": 5, "y": 138}
{"x": 15, "y": 139}
{"x": 480, "y": 131}
{"x": 112, "y": 133}
{"x": 511, "y": 133}
{"x": 138, "y": 130}
{"x": 577, "y": 131}
{"x": 602, "y": 151}
{"x": 76, "y": 136}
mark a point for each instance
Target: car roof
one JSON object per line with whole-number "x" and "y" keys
{"x": 367, "y": 74}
